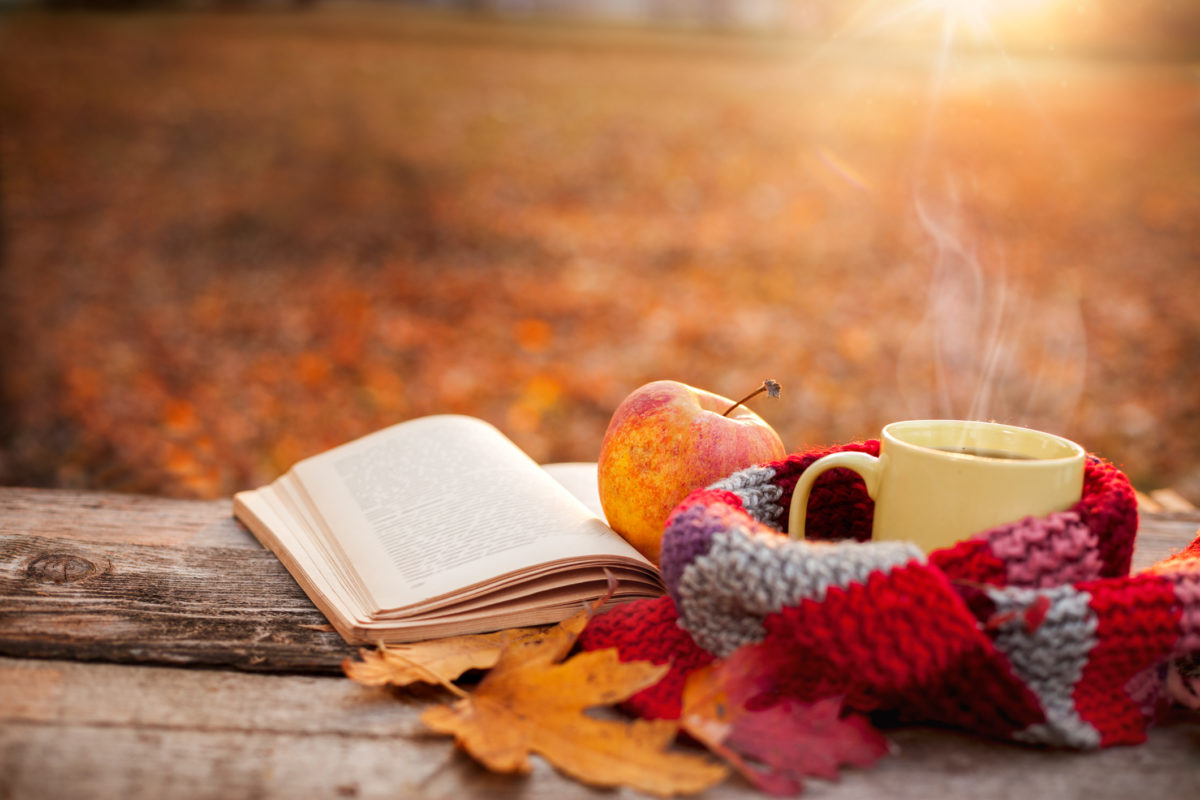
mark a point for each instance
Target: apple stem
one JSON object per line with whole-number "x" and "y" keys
{"x": 769, "y": 386}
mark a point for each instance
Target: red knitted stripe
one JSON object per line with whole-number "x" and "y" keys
{"x": 972, "y": 561}
{"x": 659, "y": 640}
{"x": 904, "y": 641}
{"x": 1138, "y": 624}
{"x": 1109, "y": 508}
{"x": 838, "y": 505}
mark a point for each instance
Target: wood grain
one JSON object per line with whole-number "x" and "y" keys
{"x": 110, "y": 578}
{"x": 1161, "y": 535}
{"x": 101, "y": 731}
{"x": 114, "y": 518}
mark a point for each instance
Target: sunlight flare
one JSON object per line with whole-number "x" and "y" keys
{"x": 983, "y": 19}
{"x": 974, "y": 14}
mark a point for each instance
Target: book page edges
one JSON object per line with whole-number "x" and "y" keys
{"x": 545, "y": 596}
{"x": 254, "y": 512}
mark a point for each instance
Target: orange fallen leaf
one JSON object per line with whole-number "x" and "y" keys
{"x": 433, "y": 661}
{"x": 534, "y": 702}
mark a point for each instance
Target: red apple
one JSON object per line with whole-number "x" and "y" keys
{"x": 667, "y": 439}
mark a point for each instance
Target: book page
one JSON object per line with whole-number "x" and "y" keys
{"x": 276, "y": 527}
{"x": 580, "y": 479}
{"x": 436, "y": 504}
{"x": 539, "y": 598}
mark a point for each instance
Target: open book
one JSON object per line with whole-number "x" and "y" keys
{"x": 441, "y": 526}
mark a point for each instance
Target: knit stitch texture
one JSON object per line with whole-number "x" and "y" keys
{"x": 1033, "y": 631}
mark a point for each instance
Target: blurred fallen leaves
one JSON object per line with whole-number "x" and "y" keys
{"x": 207, "y": 279}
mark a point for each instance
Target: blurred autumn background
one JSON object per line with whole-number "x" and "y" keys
{"x": 236, "y": 234}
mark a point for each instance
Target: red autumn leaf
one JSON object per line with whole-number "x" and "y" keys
{"x": 1035, "y": 614}
{"x": 997, "y": 621}
{"x": 1032, "y": 616}
{"x": 793, "y": 740}
{"x": 774, "y": 742}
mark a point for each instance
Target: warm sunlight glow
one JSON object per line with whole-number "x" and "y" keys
{"x": 973, "y": 13}
{"x": 993, "y": 21}
{"x": 985, "y": 16}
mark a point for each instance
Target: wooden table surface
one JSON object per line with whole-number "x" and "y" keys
{"x": 151, "y": 648}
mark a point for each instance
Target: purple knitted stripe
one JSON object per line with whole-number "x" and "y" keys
{"x": 689, "y": 533}
{"x": 1041, "y": 552}
{"x": 687, "y": 537}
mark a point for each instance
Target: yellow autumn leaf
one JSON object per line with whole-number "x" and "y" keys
{"x": 433, "y": 661}
{"x": 533, "y": 702}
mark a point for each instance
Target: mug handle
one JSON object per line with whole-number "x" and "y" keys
{"x": 867, "y": 466}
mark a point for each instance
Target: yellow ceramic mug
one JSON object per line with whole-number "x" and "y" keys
{"x": 936, "y": 482}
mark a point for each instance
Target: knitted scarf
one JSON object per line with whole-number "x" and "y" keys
{"x": 1033, "y": 631}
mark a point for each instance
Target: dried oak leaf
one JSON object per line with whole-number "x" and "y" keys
{"x": 534, "y": 702}
{"x": 433, "y": 661}
{"x": 775, "y": 743}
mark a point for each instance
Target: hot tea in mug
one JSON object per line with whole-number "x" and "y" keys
{"x": 936, "y": 482}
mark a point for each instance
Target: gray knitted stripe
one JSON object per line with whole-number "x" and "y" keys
{"x": 746, "y": 575}
{"x": 1050, "y": 659}
{"x": 758, "y": 494}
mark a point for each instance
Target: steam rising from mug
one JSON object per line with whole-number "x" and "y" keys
{"x": 986, "y": 349}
